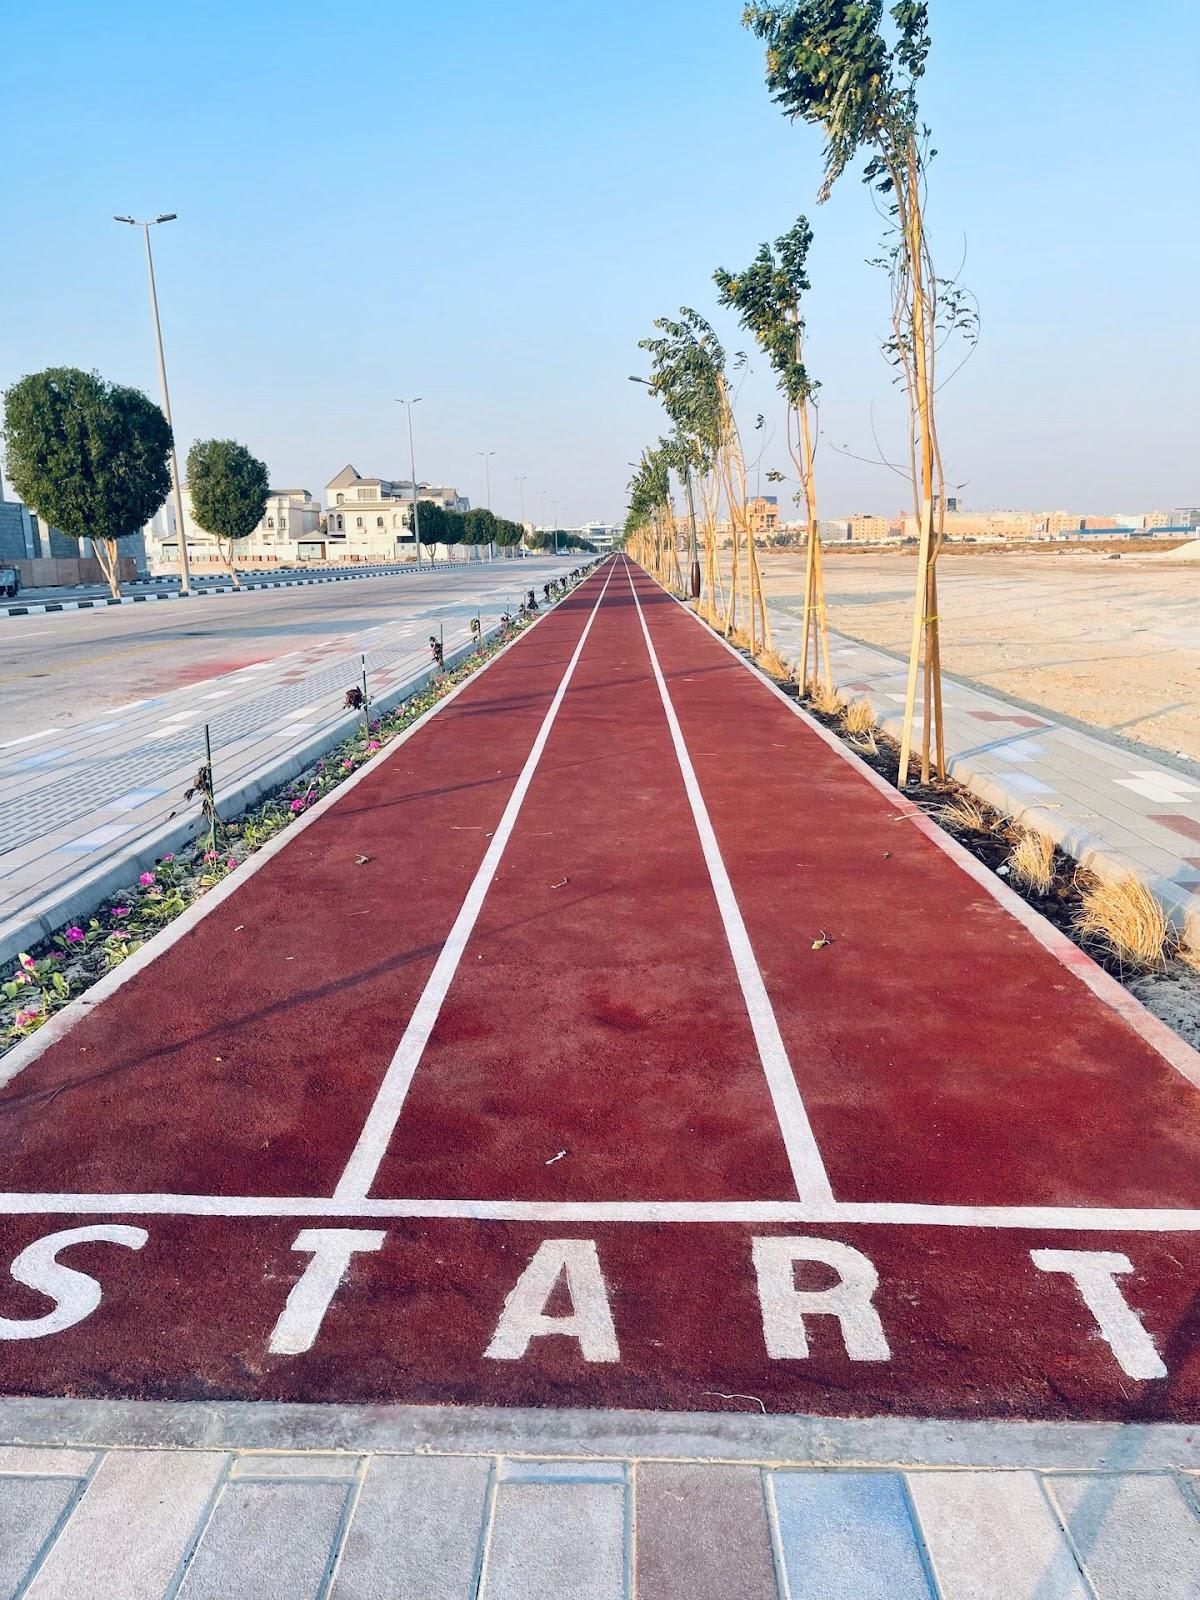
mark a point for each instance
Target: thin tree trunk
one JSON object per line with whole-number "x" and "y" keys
{"x": 225, "y": 548}
{"x": 106, "y": 555}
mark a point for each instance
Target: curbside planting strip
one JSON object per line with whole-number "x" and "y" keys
{"x": 77, "y": 901}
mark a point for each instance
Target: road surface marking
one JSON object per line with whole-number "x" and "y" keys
{"x": 808, "y": 1170}
{"x": 377, "y": 1131}
{"x": 27, "y": 738}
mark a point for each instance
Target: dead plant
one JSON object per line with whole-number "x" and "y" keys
{"x": 964, "y": 814}
{"x": 738, "y": 638}
{"x": 859, "y": 718}
{"x": 825, "y": 699}
{"x": 773, "y": 664}
{"x": 1031, "y": 861}
{"x": 1126, "y": 918}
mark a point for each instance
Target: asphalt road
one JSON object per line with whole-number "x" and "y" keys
{"x": 62, "y": 668}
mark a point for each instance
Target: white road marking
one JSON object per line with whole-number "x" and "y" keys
{"x": 27, "y": 738}
{"x": 808, "y": 1170}
{"x": 377, "y": 1131}
{"x": 1058, "y": 1219}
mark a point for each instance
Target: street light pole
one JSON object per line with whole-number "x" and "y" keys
{"x": 521, "y": 490}
{"x": 412, "y": 467}
{"x": 185, "y": 571}
{"x": 487, "y": 471}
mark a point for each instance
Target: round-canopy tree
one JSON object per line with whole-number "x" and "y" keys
{"x": 432, "y": 521}
{"x": 90, "y": 457}
{"x": 228, "y": 488}
{"x": 478, "y": 526}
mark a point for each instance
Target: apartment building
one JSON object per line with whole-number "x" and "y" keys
{"x": 369, "y": 519}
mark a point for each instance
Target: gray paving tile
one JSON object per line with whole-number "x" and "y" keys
{"x": 30, "y": 1509}
{"x": 46, "y": 1463}
{"x": 416, "y": 1531}
{"x": 295, "y": 1464}
{"x": 553, "y": 1540}
{"x": 702, "y": 1534}
{"x": 993, "y": 1536}
{"x": 267, "y": 1541}
{"x": 1137, "y": 1536}
{"x": 847, "y": 1536}
{"x": 132, "y": 1527}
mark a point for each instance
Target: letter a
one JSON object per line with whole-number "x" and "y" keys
{"x": 524, "y": 1315}
{"x": 784, "y": 1307}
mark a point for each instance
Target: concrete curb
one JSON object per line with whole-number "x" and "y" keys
{"x": 80, "y": 897}
{"x": 41, "y": 607}
{"x": 799, "y": 1439}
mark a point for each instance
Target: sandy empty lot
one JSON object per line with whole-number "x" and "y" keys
{"x": 1112, "y": 643}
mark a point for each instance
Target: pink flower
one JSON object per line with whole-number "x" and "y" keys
{"x": 74, "y": 936}
{"x": 347, "y": 766}
{"x": 27, "y": 962}
{"x": 210, "y": 855}
{"x": 120, "y": 911}
{"x": 119, "y": 933}
{"x": 24, "y": 1018}
{"x": 373, "y": 744}
{"x": 167, "y": 858}
{"x": 231, "y": 863}
{"x": 146, "y": 879}
{"x": 297, "y": 805}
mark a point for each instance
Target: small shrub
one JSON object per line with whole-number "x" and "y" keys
{"x": 964, "y": 814}
{"x": 824, "y": 698}
{"x": 859, "y": 718}
{"x": 1125, "y": 917}
{"x": 774, "y": 664}
{"x": 1031, "y": 861}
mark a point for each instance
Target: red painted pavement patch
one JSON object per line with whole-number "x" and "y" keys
{"x": 552, "y": 1101}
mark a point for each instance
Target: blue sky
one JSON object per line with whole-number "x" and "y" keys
{"x": 488, "y": 206}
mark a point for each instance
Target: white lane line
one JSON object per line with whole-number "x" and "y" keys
{"x": 377, "y": 1131}
{"x": 808, "y": 1170}
{"x": 11, "y": 744}
{"x": 1031, "y": 1219}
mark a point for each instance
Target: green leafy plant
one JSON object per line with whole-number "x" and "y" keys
{"x": 92, "y": 458}
{"x": 229, "y": 489}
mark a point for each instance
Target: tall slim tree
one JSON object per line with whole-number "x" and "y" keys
{"x": 830, "y": 63}
{"x": 229, "y": 489}
{"x": 767, "y": 298}
{"x": 90, "y": 457}
{"x": 433, "y": 525}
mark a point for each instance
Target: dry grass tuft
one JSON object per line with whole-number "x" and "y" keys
{"x": 772, "y": 662}
{"x": 966, "y": 814}
{"x": 738, "y": 638}
{"x": 1031, "y": 861}
{"x": 859, "y": 718}
{"x": 825, "y": 699}
{"x": 1126, "y": 917}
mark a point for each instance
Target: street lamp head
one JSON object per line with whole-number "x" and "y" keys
{"x": 129, "y": 220}
{"x": 167, "y": 216}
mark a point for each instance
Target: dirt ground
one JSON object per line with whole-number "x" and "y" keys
{"x": 1113, "y": 643}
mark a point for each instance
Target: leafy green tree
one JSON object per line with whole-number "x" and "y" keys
{"x": 508, "y": 534}
{"x": 767, "y": 298}
{"x": 833, "y": 64}
{"x": 432, "y": 519}
{"x": 479, "y": 526}
{"x": 90, "y": 457}
{"x": 229, "y": 489}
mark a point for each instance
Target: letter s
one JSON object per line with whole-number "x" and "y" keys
{"x": 75, "y": 1294}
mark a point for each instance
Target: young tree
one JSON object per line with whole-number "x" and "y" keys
{"x": 767, "y": 298}
{"x": 229, "y": 489}
{"x": 432, "y": 521}
{"x": 479, "y": 526}
{"x": 508, "y": 535}
{"x": 830, "y": 63}
{"x": 90, "y": 457}
{"x": 688, "y": 375}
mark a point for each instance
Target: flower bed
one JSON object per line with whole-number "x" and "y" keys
{"x": 49, "y": 975}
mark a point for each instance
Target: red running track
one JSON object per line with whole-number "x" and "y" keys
{"x": 526, "y": 1108}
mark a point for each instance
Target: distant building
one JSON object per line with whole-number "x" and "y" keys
{"x": 865, "y": 526}
{"x": 368, "y": 519}
{"x": 762, "y": 513}
{"x": 602, "y": 534}
{"x": 289, "y": 533}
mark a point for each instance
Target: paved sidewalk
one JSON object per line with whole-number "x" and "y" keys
{"x": 497, "y": 1516}
{"x": 1111, "y": 809}
{"x": 78, "y": 806}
